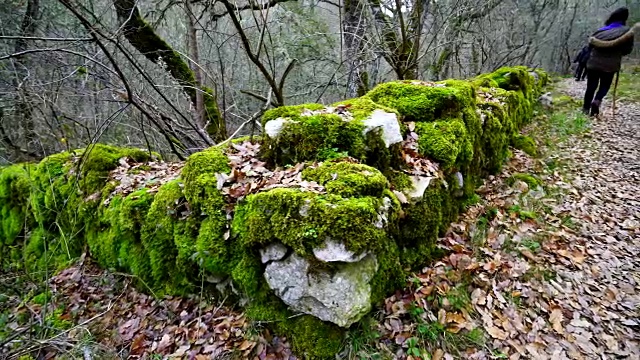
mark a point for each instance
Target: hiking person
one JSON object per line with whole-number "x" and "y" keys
{"x": 581, "y": 59}
{"x": 605, "y": 62}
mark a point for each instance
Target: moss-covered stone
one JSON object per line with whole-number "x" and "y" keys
{"x": 528, "y": 179}
{"x": 15, "y": 191}
{"x": 419, "y": 101}
{"x": 348, "y": 179}
{"x": 361, "y": 108}
{"x": 187, "y": 232}
{"x": 526, "y": 144}
{"x": 315, "y": 138}
{"x": 312, "y": 133}
{"x": 303, "y": 220}
{"x": 445, "y": 141}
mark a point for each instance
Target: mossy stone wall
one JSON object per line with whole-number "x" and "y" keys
{"x": 188, "y": 232}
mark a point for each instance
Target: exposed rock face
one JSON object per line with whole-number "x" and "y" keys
{"x": 388, "y": 122}
{"x": 420, "y": 185}
{"x": 342, "y": 297}
{"x": 274, "y": 127}
{"x": 334, "y": 251}
{"x": 273, "y": 252}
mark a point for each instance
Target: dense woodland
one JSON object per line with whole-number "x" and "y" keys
{"x": 179, "y": 76}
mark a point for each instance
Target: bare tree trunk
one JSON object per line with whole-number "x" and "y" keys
{"x": 195, "y": 63}
{"x": 143, "y": 37}
{"x": 353, "y": 27}
{"x": 23, "y": 103}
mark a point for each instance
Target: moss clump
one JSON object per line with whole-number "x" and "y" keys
{"x": 445, "y": 141}
{"x": 420, "y": 226}
{"x": 361, "y": 108}
{"x": 307, "y": 138}
{"x": 528, "y": 179}
{"x": 98, "y": 159}
{"x": 400, "y": 181}
{"x": 348, "y": 179}
{"x": 201, "y": 181}
{"x": 292, "y": 111}
{"x": 311, "y": 337}
{"x": 15, "y": 190}
{"x": 417, "y": 101}
{"x": 494, "y": 138}
{"x": 303, "y": 220}
{"x": 515, "y": 78}
{"x": 526, "y": 144}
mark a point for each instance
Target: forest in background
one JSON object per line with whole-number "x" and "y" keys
{"x": 179, "y": 76}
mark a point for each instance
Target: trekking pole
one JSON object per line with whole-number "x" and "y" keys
{"x": 615, "y": 88}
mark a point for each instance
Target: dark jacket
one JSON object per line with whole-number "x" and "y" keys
{"x": 583, "y": 55}
{"x": 609, "y": 59}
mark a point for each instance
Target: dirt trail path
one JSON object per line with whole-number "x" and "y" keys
{"x": 605, "y": 291}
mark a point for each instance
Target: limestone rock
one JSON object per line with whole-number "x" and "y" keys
{"x": 460, "y": 179}
{"x": 342, "y": 297}
{"x": 420, "y": 184}
{"x": 333, "y": 251}
{"x": 388, "y": 122}
{"x": 274, "y": 127}
{"x": 383, "y": 213}
{"x": 275, "y": 251}
{"x": 546, "y": 100}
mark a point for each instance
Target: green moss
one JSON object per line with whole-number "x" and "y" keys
{"x": 15, "y": 190}
{"x": 445, "y": 141}
{"x": 311, "y": 338}
{"x": 35, "y": 249}
{"x": 58, "y": 320}
{"x": 494, "y": 138}
{"x": 247, "y": 274}
{"x": 292, "y": 111}
{"x": 43, "y": 298}
{"x": 362, "y": 108}
{"x": 400, "y": 181}
{"x": 306, "y": 138}
{"x": 526, "y": 144}
{"x": 303, "y": 220}
{"x": 104, "y": 235}
{"x": 529, "y": 179}
{"x": 212, "y": 248}
{"x": 348, "y": 179}
{"x": 99, "y": 159}
{"x": 201, "y": 182}
{"x": 420, "y": 226}
{"x": 418, "y": 101}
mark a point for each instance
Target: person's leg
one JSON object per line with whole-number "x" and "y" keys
{"x": 605, "y": 84}
{"x": 580, "y": 71}
{"x": 584, "y": 71}
{"x": 592, "y": 85}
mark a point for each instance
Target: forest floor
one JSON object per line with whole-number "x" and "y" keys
{"x": 544, "y": 266}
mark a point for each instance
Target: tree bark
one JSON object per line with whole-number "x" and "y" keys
{"x": 144, "y": 39}
{"x": 24, "y": 105}
{"x": 195, "y": 61}
{"x": 353, "y": 27}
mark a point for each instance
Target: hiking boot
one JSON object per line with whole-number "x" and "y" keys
{"x": 585, "y": 111}
{"x": 595, "y": 108}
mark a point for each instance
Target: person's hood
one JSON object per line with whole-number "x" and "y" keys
{"x": 611, "y": 34}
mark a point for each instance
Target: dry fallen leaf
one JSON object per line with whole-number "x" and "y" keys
{"x": 555, "y": 319}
